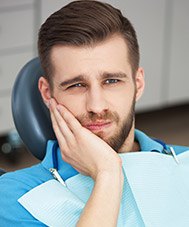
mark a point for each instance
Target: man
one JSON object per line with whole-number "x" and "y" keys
{"x": 90, "y": 56}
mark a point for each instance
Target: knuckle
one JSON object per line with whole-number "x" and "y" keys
{"x": 72, "y": 145}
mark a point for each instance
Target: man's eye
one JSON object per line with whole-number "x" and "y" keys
{"x": 111, "y": 81}
{"x": 76, "y": 85}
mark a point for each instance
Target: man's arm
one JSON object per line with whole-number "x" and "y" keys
{"x": 93, "y": 157}
{"x": 12, "y": 186}
{"x": 102, "y": 208}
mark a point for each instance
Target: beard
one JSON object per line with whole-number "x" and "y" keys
{"x": 117, "y": 140}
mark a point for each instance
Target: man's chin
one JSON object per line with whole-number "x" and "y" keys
{"x": 100, "y": 134}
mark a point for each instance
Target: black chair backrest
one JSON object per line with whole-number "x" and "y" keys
{"x": 2, "y": 172}
{"x": 31, "y": 116}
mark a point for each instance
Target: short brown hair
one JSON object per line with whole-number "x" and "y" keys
{"x": 82, "y": 23}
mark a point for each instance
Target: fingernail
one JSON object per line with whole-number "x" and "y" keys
{"x": 47, "y": 104}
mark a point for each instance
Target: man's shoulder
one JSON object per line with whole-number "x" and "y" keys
{"x": 21, "y": 181}
{"x": 15, "y": 184}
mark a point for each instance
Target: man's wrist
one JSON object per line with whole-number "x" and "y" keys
{"x": 114, "y": 174}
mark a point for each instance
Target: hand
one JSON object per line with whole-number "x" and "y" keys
{"x": 85, "y": 151}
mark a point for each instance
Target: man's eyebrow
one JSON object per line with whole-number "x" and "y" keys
{"x": 107, "y": 75}
{"x": 81, "y": 78}
{"x": 73, "y": 80}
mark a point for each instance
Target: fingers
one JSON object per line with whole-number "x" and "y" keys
{"x": 68, "y": 117}
{"x": 59, "y": 125}
{"x": 57, "y": 131}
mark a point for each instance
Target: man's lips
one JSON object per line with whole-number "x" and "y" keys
{"x": 96, "y": 126}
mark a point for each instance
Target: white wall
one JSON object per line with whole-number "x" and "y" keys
{"x": 163, "y": 34}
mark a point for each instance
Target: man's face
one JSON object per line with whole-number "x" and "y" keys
{"x": 96, "y": 84}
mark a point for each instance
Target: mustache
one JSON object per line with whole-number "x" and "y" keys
{"x": 93, "y": 117}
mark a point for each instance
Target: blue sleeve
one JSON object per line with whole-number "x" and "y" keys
{"x": 11, "y": 212}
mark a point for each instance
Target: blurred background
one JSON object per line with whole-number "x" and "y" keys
{"x": 163, "y": 33}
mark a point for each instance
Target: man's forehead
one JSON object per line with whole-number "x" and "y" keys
{"x": 105, "y": 58}
{"x": 113, "y": 42}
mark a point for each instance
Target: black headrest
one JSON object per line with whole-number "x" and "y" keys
{"x": 2, "y": 172}
{"x": 31, "y": 116}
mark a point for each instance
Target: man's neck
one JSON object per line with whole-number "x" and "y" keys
{"x": 130, "y": 145}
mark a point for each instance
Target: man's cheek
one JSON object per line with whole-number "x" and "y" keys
{"x": 75, "y": 110}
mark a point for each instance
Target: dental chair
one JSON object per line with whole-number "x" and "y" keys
{"x": 31, "y": 116}
{"x": 2, "y": 172}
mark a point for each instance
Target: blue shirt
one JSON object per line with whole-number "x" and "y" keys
{"x": 15, "y": 184}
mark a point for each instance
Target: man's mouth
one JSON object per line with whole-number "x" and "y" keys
{"x": 97, "y": 126}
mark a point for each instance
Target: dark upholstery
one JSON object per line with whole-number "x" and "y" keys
{"x": 31, "y": 116}
{"x": 2, "y": 172}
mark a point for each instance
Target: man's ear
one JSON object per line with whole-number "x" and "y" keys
{"x": 44, "y": 88}
{"x": 140, "y": 83}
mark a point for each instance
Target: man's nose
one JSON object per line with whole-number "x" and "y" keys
{"x": 96, "y": 101}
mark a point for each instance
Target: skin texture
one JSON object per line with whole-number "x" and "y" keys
{"x": 92, "y": 111}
